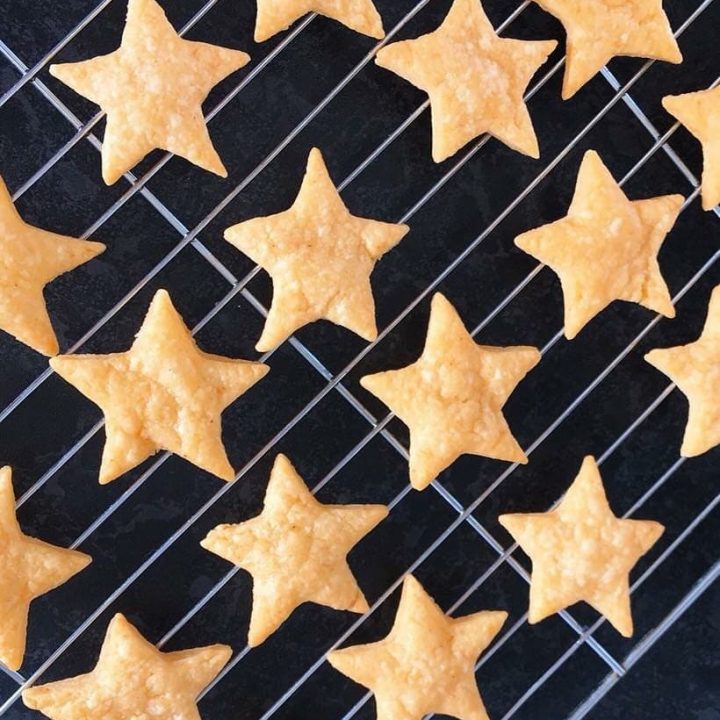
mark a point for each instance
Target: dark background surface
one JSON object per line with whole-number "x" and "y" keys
{"x": 677, "y": 678}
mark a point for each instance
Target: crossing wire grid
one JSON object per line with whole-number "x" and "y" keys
{"x": 317, "y": 85}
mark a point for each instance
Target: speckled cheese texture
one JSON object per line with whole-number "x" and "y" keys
{"x": 699, "y": 112}
{"x": 295, "y": 551}
{"x": 581, "y": 552}
{"x": 695, "y": 368}
{"x": 132, "y": 681}
{"x": 320, "y": 258}
{"x": 28, "y": 568}
{"x": 600, "y": 30}
{"x": 427, "y": 662}
{"x": 475, "y": 80}
{"x": 452, "y": 397}
{"x": 152, "y": 89}
{"x": 606, "y": 248}
{"x": 163, "y": 394}
{"x": 29, "y": 259}
{"x": 273, "y": 16}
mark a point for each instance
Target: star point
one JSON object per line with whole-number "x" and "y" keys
{"x": 132, "y": 679}
{"x": 606, "y": 248}
{"x": 162, "y": 394}
{"x": 603, "y": 29}
{"x": 152, "y": 89}
{"x": 475, "y": 80}
{"x": 581, "y": 551}
{"x": 30, "y": 258}
{"x": 699, "y": 112}
{"x": 426, "y": 662}
{"x": 452, "y": 397}
{"x": 320, "y": 258}
{"x": 295, "y": 551}
{"x": 695, "y": 369}
{"x": 273, "y": 16}
{"x": 29, "y": 568}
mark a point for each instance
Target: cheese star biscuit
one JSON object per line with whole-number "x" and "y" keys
{"x": 452, "y": 397}
{"x": 475, "y": 80}
{"x": 600, "y": 30}
{"x": 276, "y": 15}
{"x": 695, "y": 368}
{"x": 132, "y": 680}
{"x": 29, "y": 568}
{"x": 427, "y": 662}
{"x": 162, "y": 394}
{"x": 29, "y": 259}
{"x": 581, "y": 551}
{"x": 152, "y": 89}
{"x": 606, "y": 248}
{"x": 295, "y": 551}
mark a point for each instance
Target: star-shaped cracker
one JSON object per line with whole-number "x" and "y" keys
{"x": 132, "y": 680}
{"x": 581, "y": 551}
{"x": 29, "y": 259}
{"x": 29, "y": 568}
{"x": 452, "y": 397}
{"x": 427, "y": 662}
{"x": 600, "y": 30}
{"x": 295, "y": 551}
{"x": 320, "y": 258}
{"x": 606, "y": 248}
{"x": 276, "y": 15}
{"x": 162, "y": 394}
{"x": 695, "y": 369}
{"x": 699, "y": 112}
{"x": 475, "y": 80}
{"x": 152, "y": 89}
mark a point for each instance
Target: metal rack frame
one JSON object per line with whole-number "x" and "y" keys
{"x": 334, "y": 382}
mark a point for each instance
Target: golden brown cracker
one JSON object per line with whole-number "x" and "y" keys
{"x": 29, "y": 568}
{"x": 162, "y": 394}
{"x": 274, "y": 16}
{"x": 606, "y": 248}
{"x": 152, "y": 89}
{"x": 427, "y": 662}
{"x": 695, "y": 368}
{"x": 452, "y": 397}
{"x": 295, "y": 551}
{"x": 475, "y": 80}
{"x": 581, "y": 552}
{"x": 320, "y": 258}
{"x": 600, "y": 30}
{"x": 699, "y": 112}
{"x": 29, "y": 259}
{"x": 132, "y": 679}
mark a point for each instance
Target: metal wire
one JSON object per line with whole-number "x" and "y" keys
{"x": 335, "y": 382}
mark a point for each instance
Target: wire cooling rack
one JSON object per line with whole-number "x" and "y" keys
{"x": 317, "y": 85}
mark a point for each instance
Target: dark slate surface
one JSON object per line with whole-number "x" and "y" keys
{"x": 275, "y": 108}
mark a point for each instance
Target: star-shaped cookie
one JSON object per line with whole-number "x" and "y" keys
{"x": 606, "y": 248}
{"x": 152, "y": 89}
{"x": 276, "y": 15}
{"x": 295, "y": 551}
{"x": 600, "y": 30}
{"x": 452, "y": 397}
{"x": 320, "y": 258}
{"x": 427, "y": 662}
{"x": 695, "y": 369}
{"x": 162, "y": 394}
{"x": 475, "y": 80}
{"x": 29, "y": 259}
{"x": 699, "y": 112}
{"x": 132, "y": 680}
{"x": 29, "y": 568}
{"x": 581, "y": 551}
